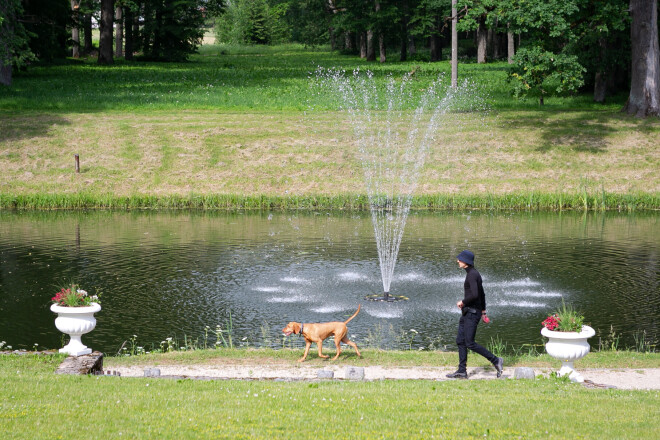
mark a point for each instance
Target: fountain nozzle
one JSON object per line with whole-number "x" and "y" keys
{"x": 386, "y": 297}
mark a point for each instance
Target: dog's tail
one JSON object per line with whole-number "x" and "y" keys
{"x": 354, "y": 314}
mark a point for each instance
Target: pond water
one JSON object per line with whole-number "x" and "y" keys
{"x": 171, "y": 274}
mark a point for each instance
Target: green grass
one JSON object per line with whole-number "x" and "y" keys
{"x": 239, "y": 78}
{"x": 231, "y": 129}
{"x": 35, "y": 404}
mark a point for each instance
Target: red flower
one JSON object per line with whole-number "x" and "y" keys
{"x": 551, "y": 322}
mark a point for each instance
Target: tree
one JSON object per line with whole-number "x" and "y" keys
{"x": 544, "y": 65}
{"x": 644, "y": 99}
{"x": 538, "y": 72}
{"x": 105, "y": 27}
{"x": 14, "y": 49}
{"x": 253, "y": 22}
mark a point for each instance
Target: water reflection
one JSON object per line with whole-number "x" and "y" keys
{"x": 173, "y": 273}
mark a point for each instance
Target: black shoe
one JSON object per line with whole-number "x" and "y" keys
{"x": 457, "y": 375}
{"x": 499, "y": 364}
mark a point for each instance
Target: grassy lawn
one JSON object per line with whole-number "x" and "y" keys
{"x": 35, "y": 404}
{"x": 234, "y": 123}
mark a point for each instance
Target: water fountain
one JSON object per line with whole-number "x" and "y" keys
{"x": 394, "y": 122}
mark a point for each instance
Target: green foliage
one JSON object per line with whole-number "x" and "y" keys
{"x": 14, "y": 48}
{"x": 46, "y": 23}
{"x": 540, "y": 73}
{"x": 173, "y": 29}
{"x": 569, "y": 319}
{"x": 253, "y": 22}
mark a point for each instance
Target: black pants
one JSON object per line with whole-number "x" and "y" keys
{"x": 467, "y": 329}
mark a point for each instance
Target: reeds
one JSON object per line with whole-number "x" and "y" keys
{"x": 532, "y": 201}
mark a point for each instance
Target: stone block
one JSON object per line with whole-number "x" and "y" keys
{"x": 354, "y": 373}
{"x": 85, "y": 364}
{"x": 325, "y": 374}
{"x": 524, "y": 373}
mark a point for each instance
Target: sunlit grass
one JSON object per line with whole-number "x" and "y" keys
{"x": 36, "y": 404}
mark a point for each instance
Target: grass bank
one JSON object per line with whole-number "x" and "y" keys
{"x": 232, "y": 129}
{"x": 35, "y": 404}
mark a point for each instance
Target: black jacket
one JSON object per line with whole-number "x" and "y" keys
{"x": 474, "y": 291}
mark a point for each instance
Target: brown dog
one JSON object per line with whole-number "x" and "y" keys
{"x": 318, "y": 332}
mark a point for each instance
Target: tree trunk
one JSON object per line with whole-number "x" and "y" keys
{"x": 644, "y": 99}
{"x": 404, "y": 31}
{"x": 105, "y": 27}
{"x": 454, "y": 45}
{"x": 75, "y": 30}
{"x": 158, "y": 34}
{"x": 511, "y": 46}
{"x": 381, "y": 47}
{"x": 128, "y": 38}
{"x": 412, "y": 49}
{"x": 88, "y": 45}
{"x": 348, "y": 41}
{"x": 371, "y": 49}
{"x": 119, "y": 33}
{"x": 600, "y": 79}
{"x": 381, "y": 38}
{"x": 136, "y": 29}
{"x": 482, "y": 40}
{"x": 490, "y": 43}
{"x": 600, "y": 87}
{"x": 6, "y": 66}
{"x": 363, "y": 45}
{"x": 333, "y": 39}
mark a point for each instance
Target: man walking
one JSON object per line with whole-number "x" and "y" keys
{"x": 473, "y": 306}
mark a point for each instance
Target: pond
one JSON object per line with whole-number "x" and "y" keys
{"x": 172, "y": 274}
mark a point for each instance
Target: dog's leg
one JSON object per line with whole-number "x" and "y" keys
{"x": 338, "y": 346}
{"x": 319, "y": 344}
{"x": 308, "y": 344}
{"x": 352, "y": 344}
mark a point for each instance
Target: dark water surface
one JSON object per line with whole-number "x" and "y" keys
{"x": 171, "y": 274}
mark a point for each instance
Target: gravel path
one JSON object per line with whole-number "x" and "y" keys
{"x": 621, "y": 378}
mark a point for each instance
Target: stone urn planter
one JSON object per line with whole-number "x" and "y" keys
{"x": 568, "y": 347}
{"x": 75, "y": 322}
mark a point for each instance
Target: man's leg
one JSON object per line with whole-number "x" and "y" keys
{"x": 470, "y": 329}
{"x": 461, "y": 342}
{"x": 461, "y": 373}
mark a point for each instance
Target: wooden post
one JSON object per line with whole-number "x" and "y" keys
{"x": 77, "y": 163}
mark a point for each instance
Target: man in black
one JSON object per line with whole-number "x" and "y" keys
{"x": 473, "y": 306}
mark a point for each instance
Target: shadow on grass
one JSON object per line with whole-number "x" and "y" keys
{"x": 588, "y": 131}
{"x": 27, "y": 126}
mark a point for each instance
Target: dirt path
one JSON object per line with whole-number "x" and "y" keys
{"x": 621, "y": 378}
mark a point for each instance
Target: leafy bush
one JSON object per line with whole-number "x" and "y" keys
{"x": 540, "y": 73}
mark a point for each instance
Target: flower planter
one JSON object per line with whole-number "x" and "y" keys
{"x": 75, "y": 322}
{"x": 568, "y": 347}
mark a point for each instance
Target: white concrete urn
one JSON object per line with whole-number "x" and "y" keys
{"x": 568, "y": 347}
{"x": 75, "y": 322}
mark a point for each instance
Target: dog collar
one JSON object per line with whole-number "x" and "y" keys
{"x": 301, "y": 328}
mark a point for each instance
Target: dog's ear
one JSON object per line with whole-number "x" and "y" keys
{"x": 296, "y": 328}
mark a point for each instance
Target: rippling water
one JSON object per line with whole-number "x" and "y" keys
{"x": 172, "y": 274}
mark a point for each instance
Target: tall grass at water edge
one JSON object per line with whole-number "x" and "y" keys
{"x": 581, "y": 201}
